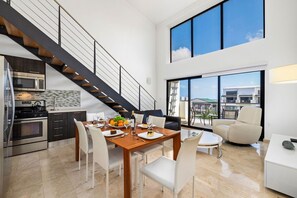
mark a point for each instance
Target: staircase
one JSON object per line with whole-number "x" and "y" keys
{"x": 48, "y": 31}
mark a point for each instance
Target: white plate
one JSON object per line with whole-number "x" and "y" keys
{"x": 107, "y": 133}
{"x": 155, "y": 136}
{"x": 145, "y": 126}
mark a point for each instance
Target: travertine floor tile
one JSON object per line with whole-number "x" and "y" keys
{"x": 54, "y": 173}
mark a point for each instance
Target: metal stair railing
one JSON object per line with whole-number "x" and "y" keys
{"x": 51, "y": 18}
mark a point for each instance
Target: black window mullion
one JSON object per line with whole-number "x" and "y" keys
{"x": 189, "y": 102}
{"x": 219, "y": 97}
{"x": 222, "y": 26}
{"x": 192, "y": 38}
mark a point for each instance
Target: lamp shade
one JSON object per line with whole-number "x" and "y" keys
{"x": 285, "y": 74}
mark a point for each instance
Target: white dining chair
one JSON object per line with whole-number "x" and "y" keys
{"x": 85, "y": 144}
{"x": 106, "y": 158}
{"x": 138, "y": 118}
{"x": 159, "y": 122}
{"x": 95, "y": 116}
{"x": 173, "y": 174}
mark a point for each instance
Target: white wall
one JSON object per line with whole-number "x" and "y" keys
{"x": 277, "y": 49}
{"x": 121, "y": 30}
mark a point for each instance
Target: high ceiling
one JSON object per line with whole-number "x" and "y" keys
{"x": 159, "y": 10}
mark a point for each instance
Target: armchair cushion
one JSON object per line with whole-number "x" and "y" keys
{"x": 245, "y": 130}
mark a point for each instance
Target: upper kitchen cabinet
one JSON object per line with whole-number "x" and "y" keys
{"x": 26, "y": 65}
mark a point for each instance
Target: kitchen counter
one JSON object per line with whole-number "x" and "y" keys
{"x": 66, "y": 110}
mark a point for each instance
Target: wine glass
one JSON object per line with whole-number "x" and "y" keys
{"x": 149, "y": 122}
{"x": 127, "y": 123}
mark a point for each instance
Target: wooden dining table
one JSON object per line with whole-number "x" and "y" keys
{"x": 130, "y": 143}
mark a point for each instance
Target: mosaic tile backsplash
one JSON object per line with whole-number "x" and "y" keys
{"x": 64, "y": 98}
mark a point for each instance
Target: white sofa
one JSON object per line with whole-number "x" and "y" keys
{"x": 245, "y": 130}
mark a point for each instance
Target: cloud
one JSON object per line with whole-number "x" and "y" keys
{"x": 180, "y": 53}
{"x": 252, "y": 37}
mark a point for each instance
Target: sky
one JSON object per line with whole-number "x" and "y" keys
{"x": 243, "y": 22}
{"x": 207, "y": 87}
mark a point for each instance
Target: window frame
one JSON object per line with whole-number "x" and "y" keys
{"x": 261, "y": 96}
{"x": 221, "y": 23}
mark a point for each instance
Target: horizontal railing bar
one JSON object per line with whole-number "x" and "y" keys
{"x": 38, "y": 23}
{"x": 45, "y": 13}
{"x": 50, "y": 5}
{"x": 75, "y": 20}
{"x": 116, "y": 68}
{"x": 107, "y": 57}
{"x": 79, "y": 44}
{"x": 91, "y": 42}
{"x": 65, "y": 25}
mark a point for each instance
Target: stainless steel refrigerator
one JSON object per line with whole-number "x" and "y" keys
{"x": 7, "y": 109}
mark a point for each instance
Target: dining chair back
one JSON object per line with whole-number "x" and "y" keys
{"x": 85, "y": 144}
{"x": 186, "y": 162}
{"x": 158, "y": 121}
{"x": 174, "y": 174}
{"x": 100, "y": 150}
{"x": 95, "y": 116}
{"x": 83, "y": 137}
{"x": 139, "y": 118}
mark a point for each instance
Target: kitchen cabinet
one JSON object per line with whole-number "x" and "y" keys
{"x": 26, "y": 65}
{"x": 61, "y": 125}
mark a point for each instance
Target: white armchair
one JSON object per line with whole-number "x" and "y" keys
{"x": 245, "y": 130}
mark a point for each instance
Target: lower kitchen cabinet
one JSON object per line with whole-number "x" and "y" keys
{"x": 61, "y": 125}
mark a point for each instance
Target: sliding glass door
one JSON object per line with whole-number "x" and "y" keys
{"x": 178, "y": 99}
{"x": 199, "y": 100}
{"x": 204, "y": 101}
{"x": 238, "y": 90}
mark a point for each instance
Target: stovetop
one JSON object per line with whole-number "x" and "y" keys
{"x": 30, "y": 109}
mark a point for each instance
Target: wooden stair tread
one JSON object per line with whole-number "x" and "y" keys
{"x": 117, "y": 107}
{"x": 102, "y": 96}
{"x": 2, "y": 21}
{"x": 29, "y": 42}
{"x": 68, "y": 70}
{"x": 78, "y": 77}
{"x": 44, "y": 52}
{"x": 95, "y": 91}
{"x": 110, "y": 102}
{"x": 12, "y": 30}
{"x": 123, "y": 111}
{"x": 87, "y": 85}
{"x": 56, "y": 61}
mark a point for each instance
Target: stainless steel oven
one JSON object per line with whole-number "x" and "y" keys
{"x": 28, "y": 81}
{"x": 29, "y": 131}
{"x": 28, "y": 135}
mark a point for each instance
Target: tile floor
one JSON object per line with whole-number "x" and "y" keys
{"x": 54, "y": 173}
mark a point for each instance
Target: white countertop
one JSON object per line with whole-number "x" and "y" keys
{"x": 64, "y": 110}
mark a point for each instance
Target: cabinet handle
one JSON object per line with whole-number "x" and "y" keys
{"x": 58, "y": 120}
{"x": 58, "y": 135}
{"x": 58, "y": 128}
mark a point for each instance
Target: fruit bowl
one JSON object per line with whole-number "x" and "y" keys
{"x": 117, "y": 122}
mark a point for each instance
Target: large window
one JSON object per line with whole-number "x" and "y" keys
{"x": 181, "y": 42}
{"x": 199, "y": 100}
{"x": 243, "y": 21}
{"x": 227, "y": 24}
{"x": 207, "y": 31}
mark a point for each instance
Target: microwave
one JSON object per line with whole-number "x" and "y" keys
{"x": 28, "y": 81}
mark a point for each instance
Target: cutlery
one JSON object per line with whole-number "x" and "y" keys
{"x": 121, "y": 136}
